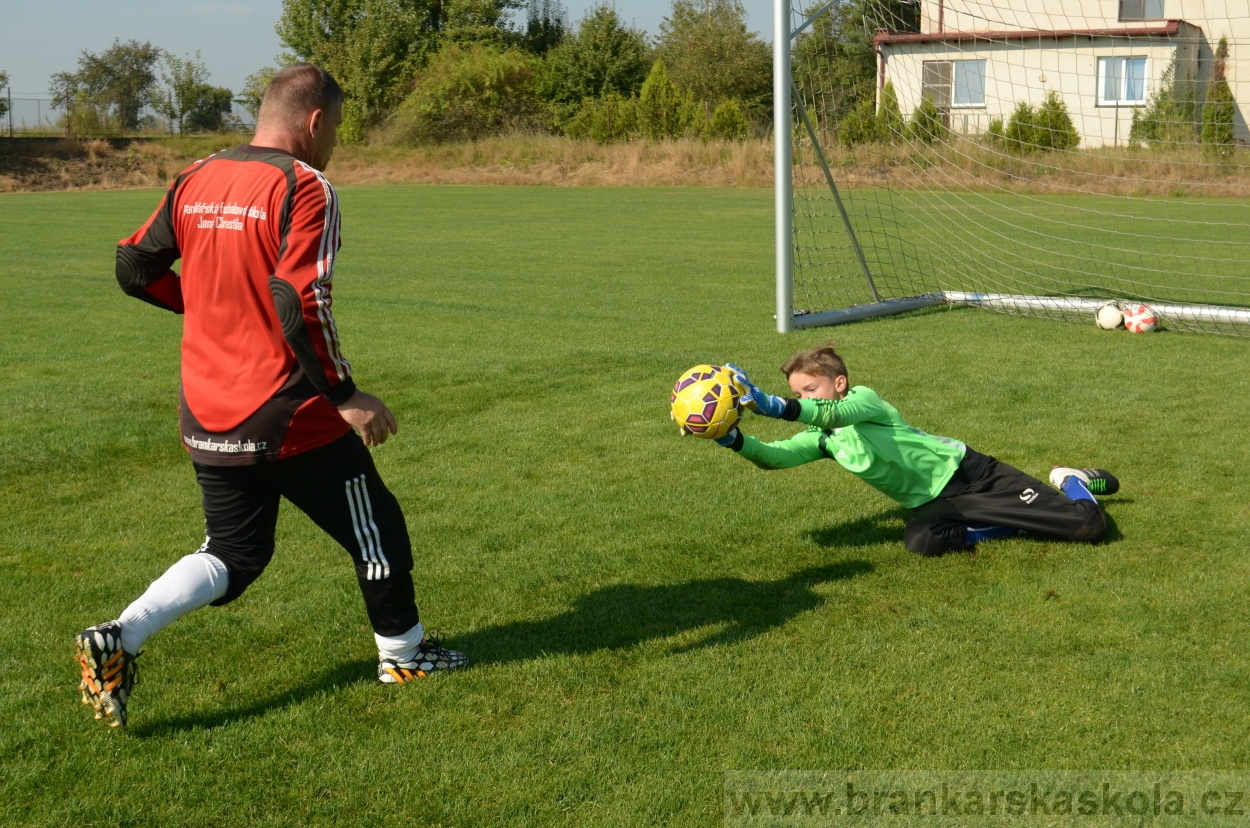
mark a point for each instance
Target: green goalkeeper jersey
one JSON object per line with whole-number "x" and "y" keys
{"x": 870, "y": 439}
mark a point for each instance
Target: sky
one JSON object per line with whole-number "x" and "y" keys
{"x": 235, "y": 38}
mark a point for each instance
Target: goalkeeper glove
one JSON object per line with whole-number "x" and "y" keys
{"x": 755, "y": 399}
{"x": 728, "y": 440}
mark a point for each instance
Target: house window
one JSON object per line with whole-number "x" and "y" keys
{"x": 969, "y": 83}
{"x": 954, "y": 82}
{"x": 1141, "y": 9}
{"x": 1121, "y": 80}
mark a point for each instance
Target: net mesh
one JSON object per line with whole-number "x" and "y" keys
{"x": 1087, "y": 152}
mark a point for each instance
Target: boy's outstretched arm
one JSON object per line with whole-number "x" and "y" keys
{"x": 783, "y": 454}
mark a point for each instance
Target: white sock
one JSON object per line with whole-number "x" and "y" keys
{"x": 401, "y": 648}
{"x": 193, "y": 582}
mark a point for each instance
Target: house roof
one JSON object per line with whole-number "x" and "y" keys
{"x": 1167, "y": 28}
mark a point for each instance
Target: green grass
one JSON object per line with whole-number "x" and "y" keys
{"x": 645, "y": 612}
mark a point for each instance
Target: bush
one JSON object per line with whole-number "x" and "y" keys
{"x": 470, "y": 91}
{"x": 927, "y": 126}
{"x": 994, "y": 133}
{"x": 1169, "y": 118}
{"x": 1049, "y": 127}
{"x": 663, "y": 111}
{"x": 1020, "y": 134}
{"x": 1052, "y": 125}
{"x": 890, "y": 124}
{"x": 860, "y": 125}
{"x": 605, "y": 121}
{"x": 729, "y": 122}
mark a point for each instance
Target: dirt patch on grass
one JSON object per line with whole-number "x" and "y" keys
{"x": 65, "y": 164}
{"x": 34, "y": 165}
{"x": 31, "y": 165}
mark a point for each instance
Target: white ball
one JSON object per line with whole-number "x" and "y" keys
{"x": 1109, "y": 316}
{"x": 1141, "y": 319}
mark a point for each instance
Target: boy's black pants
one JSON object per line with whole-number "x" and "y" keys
{"x": 339, "y": 488}
{"x": 990, "y": 493}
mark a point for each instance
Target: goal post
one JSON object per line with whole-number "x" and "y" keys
{"x": 998, "y": 155}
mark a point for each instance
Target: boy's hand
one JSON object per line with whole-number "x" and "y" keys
{"x": 766, "y": 404}
{"x": 728, "y": 440}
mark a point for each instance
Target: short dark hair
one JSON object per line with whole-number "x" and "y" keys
{"x": 823, "y": 360}
{"x": 296, "y": 91}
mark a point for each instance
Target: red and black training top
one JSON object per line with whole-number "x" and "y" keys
{"x": 257, "y": 231}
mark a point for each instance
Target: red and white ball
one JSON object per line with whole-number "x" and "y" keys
{"x": 1140, "y": 318}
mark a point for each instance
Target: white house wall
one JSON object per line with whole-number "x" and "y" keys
{"x": 1014, "y": 68}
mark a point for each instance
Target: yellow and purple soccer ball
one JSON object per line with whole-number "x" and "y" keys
{"x": 706, "y": 401}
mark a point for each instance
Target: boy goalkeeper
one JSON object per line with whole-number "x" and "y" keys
{"x": 957, "y": 496}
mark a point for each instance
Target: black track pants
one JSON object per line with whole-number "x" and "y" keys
{"x": 340, "y": 489}
{"x": 1002, "y": 496}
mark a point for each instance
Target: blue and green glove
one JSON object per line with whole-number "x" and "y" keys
{"x": 768, "y": 405}
{"x": 728, "y": 440}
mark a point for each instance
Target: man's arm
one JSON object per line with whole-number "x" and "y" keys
{"x": 144, "y": 259}
{"x": 301, "y": 288}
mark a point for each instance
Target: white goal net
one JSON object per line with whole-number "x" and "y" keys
{"x": 1033, "y": 158}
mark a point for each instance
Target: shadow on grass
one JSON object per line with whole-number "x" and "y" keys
{"x": 614, "y": 617}
{"x": 625, "y": 615}
{"x": 303, "y": 688}
{"x": 883, "y": 527}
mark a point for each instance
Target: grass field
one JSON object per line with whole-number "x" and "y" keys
{"x": 646, "y": 613}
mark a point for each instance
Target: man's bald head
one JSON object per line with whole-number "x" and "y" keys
{"x": 294, "y": 93}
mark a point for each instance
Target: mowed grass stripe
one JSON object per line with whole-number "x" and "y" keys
{"x": 646, "y": 612}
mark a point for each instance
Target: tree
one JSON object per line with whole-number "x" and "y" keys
{"x": 1220, "y": 108}
{"x": 121, "y": 79}
{"x": 254, "y": 86}
{"x": 190, "y": 101}
{"x": 546, "y": 23}
{"x": 708, "y": 50}
{"x": 837, "y": 49}
{"x": 603, "y": 56}
{"x": 478, "y": 21}
{"x": 372, "y": 47}
{"x": 469, "y": 91}
{"x": 4, "y": 102}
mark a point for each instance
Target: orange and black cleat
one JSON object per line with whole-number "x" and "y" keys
{"x": 430, "y": 657}
{"x": 108, "y": 672}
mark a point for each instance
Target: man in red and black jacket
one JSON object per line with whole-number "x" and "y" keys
{"x": 268, "y": 404}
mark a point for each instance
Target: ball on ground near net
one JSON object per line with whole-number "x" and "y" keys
{"x": 1140, "y": 318}
{"x": 1109, "y": 316}
{"x": 706, "y": 401}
